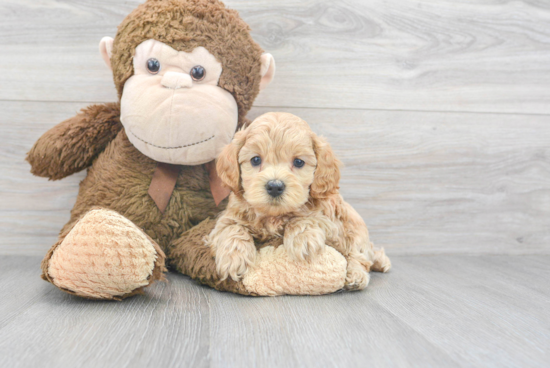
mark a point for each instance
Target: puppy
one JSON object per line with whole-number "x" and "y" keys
{"x": 284, "y": 182}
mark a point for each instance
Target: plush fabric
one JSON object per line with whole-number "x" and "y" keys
{"x": 171, "y": 118}
{"x": 72, "y": 145}
{"x": 276, "y": 273}
{"x": 185, "y": 25}
{"x": 119, "y": 180}
{"x": 105, "y": 256}
{"x": 190, "y": 255}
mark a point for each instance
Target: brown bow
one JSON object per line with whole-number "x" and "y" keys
{"x": 164, "y": 181}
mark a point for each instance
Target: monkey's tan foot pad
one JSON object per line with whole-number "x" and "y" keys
{"x": 275, "y": 273}
{"x": 104, "y": 256}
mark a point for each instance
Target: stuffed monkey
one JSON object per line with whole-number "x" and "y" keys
{"x": 187, "y": 73}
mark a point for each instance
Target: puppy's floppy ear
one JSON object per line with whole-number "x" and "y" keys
{"x": 227, "y": 164}
{"x": 327, "y": 173}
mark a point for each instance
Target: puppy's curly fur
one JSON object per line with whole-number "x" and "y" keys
{"x": 308, "y": 214}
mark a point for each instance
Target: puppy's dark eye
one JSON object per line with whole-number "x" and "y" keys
{"x": 153, "y": 66}
{"x": 198, "y": 73}
{"x": 256, "y": 161}
{"x": 299, "y": 163}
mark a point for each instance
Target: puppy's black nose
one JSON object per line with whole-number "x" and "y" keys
{"x": 275, "y": 188}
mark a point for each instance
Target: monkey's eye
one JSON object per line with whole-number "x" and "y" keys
{"x": 256, "y": 161}
{"x": 198, "y": 73}
{"x": 153, "y": 66}
{"x": 299, "y": 163}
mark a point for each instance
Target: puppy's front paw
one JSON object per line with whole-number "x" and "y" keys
{"x": 303, "y": 243}
{"x": 235, "y": 262}
{"x": 357, "y": 277}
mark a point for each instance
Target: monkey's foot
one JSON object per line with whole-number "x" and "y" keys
{"x": 277, "y": 273}
{"x": 104, "y": 256}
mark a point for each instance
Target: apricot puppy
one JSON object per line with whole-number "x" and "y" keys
{"x": 284, "y": 181}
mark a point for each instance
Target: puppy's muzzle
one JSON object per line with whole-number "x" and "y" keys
{"x": 275, "y": 188}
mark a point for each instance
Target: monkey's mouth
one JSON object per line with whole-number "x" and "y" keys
{"x": 175, "y": 147}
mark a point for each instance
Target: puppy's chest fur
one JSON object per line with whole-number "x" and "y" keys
{"x": 269, "y": 227}
{"x": 270, "y": 230}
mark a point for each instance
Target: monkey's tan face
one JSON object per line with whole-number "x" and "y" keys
{"x": 172, "y": 108}
{"x": 277, "y": 166}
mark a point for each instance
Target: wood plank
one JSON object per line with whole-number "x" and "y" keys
{"x": 463, "y": 305}
{"x": 483, "y": 56}
{"x": 21, "y": 286}
{"x": 166, "y": 327}
{"x": 425, "y": 183}
{"x": 339, "y": 330}
{"x": 473, "y": 316}
{"x": 429, "y": 311}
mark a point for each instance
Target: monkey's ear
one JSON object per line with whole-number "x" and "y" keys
{"x": 106, "y": 50}
{"x": 267, "y": 71}
{"x": 327, "y": 173}
{"x": 227, "y": 164}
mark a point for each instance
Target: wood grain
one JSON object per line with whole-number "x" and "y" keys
{"x": 20, "y": 277}
{"x": 438, "y": 311}
{"x": 425, "y": 183}
{"x": 484, "y": 56}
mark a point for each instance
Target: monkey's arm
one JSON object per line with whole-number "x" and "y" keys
{"x": 73, "y": 144}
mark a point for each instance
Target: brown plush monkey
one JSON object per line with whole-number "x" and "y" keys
{"x": 187, "y": 73}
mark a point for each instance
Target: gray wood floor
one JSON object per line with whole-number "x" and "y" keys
{"x": 438, "y": 311}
